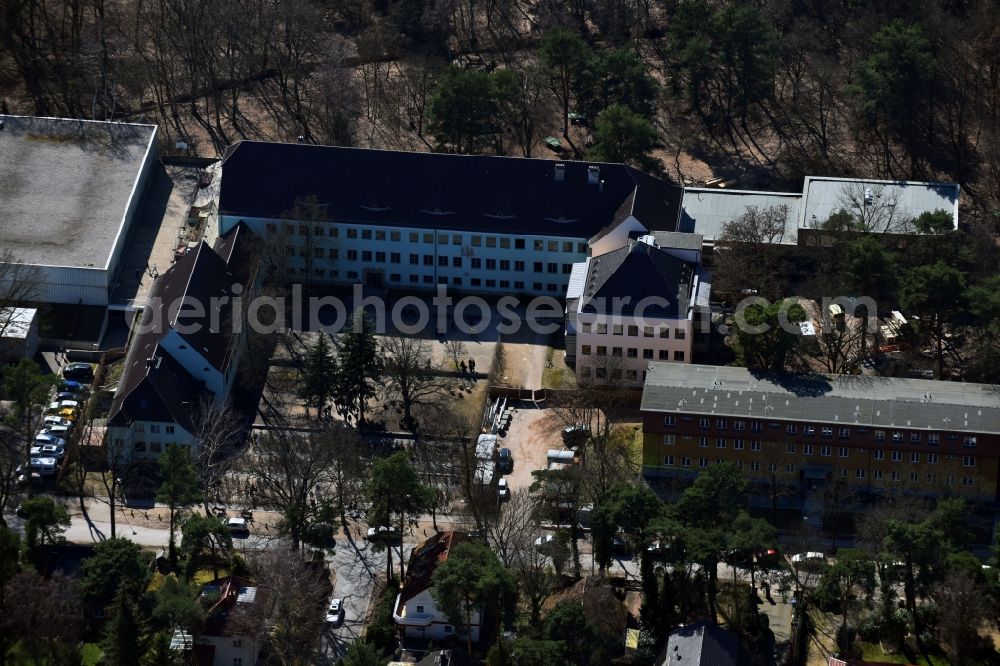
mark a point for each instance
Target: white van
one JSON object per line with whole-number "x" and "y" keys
{"x": 44, "y": 466}
{"x": 237, "y": 525}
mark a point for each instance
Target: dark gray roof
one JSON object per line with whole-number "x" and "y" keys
{"x": 454, "y": 192}
{"x": 163, "y": 388}
{"x": 703, "y": 644}
{"x": 65, "y": 186}
{"x": 679, "y": 240}
{"x": 636, "y": 271}
{"x": 847, "y": 399}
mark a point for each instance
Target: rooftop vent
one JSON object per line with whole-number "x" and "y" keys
{"x": 593, "y": 174}
{"x": 560, "y": 172}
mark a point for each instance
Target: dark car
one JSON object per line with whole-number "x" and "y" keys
{"x": 79, "y": 372}
{"x": 574, "y": 436}
{"x": 505, "y": 461}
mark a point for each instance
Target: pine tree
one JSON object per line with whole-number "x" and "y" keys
{"x": 180, "y": 489}
{"x": 359, "y": 368}
{"x": 318, "y": 371}
{"x": 123, "y": 643}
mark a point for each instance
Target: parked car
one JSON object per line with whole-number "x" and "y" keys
{"x": 505, "y": 461}
{"x": 238, "y": 526}
{"x": 79, "y": 372}
{"x": 544, "y": 540}
{"x": 41, "y": 439}
{"x": 35, "y": 451}
{"x": 53, "y": 451}
{"x": 67, "y": 395}
{"x": 805, "y": 557}
{"x": 503, "y": 490}
{"x": 56, "y": 431}
{"x": 53, "y": 420}
{"x": 382, "y": 532}
{"x": 574, "y": 436}
{"x": 70, "y": 385}
{"x": 335, "y": 613}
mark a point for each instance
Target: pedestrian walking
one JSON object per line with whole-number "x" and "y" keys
{"x": 472, "y": 366}
{"x": 461, "y": 366}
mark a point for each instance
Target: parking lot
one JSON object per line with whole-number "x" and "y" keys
{"x": 532, "y": 433}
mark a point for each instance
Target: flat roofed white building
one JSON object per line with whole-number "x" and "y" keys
{"x": 69, "y": 195}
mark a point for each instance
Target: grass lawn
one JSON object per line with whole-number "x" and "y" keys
{"x": 557, "y": 374}
{"x": 873, "y": 652}
{"x": 90, "y": 655}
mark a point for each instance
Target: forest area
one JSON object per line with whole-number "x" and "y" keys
{"x": 759, "y": 93}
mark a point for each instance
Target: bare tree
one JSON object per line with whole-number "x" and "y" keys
{"x": 217, "y": 429}
{"x": 119, "y": 469}
{"x": 534, "y": 573}
{"x": 287, "y": 617}
{"x": 412, "y": 378}
{"x": 455, "y": 350}
{"x": 19, "y": 283}
{"x": 868, "y": 208}
{"x": 511, "y": 525}
{"x": 282, "y": 471}
{"x": 747, "y": 249}
{"x": 963, "y": 610}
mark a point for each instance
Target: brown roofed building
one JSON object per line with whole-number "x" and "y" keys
{"x": 416, "y": 613}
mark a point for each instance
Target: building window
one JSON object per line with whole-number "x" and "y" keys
{"x": 877, "y": 474}
{"x": 616, "y": 352}
{"x": 237, "y": 661}
{"x": 154, "y": 447}
{"x": 585, "y": 350}
{"x": 703, "y": 423}
{"x": 366, "y": 234}
{"x": 844, "y": 433}
{"x": 966, "y": 481}
{"x": 668, "y": 460}
{"x": 969, "y": 443}
{"x": 668, "y": 440}
{"x": 827, "y": 431}
{"x": 720, "y": 442}
{"x": 685, "y": 461}
{"x": 842, "y": 452}
{"x": 913, "y": 477}
{"x": 679, "y": 334}
{"x": 914, "y": 457}
{"x": 380, "y": 257}
{"x": 518, "y": 243}
{"x": 669, "y": 420}
{"x": 664, "y": 355}
{"x": 585, "y": 372}
{"x": 914, "y": 438}
{"x": 447, "y": 629}
{"x": 755, "y": 445}
{"x": 897, "y": 456}
{"x": 632, "y": 352}
{"x": 860, "y": 474}
{"x": 519, "y": 266}
{"x": 678, "y": 356}
{"x": 703, "y": 442}
{"x": 755, "y": 426}
{"x": 394, "y": 258}
{"x": 789, "y": 468}
{"x": 895, "y": 476}
{"x": 585, "y": 327}
{"x": 932, "y": 458}
{"x": 702, "y": 462}
{"x": 154, "y": 428}
{"x": 807, "y": 449}
{"x": 897, "y": 436}
{"x": 755, "y": 466}
{"x": 808, "y": 430}
{"x": 504, "y": 242}
{"x": 933, "y": 438}
{"x": 879, "y": 454}
{"x": 420, "y": 609}
{"x": 842, "y": 472}
{"x": 602, "y": 350}
{"x": 647, "y": 354}
{"x": 647, "y": 331}
{"x": 738, "y": 444}
{"x": 665, "y": 333}
{"x": 170, "y": 429}
{"x": 237, "y": 643}
{"x": 601, "y": 373}
{"x": 790, "y": 429}
{"x": 880, "y": 435}
{"x": 720, "y": 424}
{"x": 739, "y": 426}
{"x": 790, "y": 447}
{"x": 826, "y": 451}
{"x": 968, "y": 461}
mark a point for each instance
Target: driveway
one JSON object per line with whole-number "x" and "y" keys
{"x": 532, "y": 433}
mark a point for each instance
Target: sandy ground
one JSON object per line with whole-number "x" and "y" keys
{"x": 532, "y": 433}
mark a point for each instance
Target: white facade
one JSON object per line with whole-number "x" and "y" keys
{"x": 148, "y": 439}
{"x": 232, "y": 651}
{"x": 337, "y": 252}
{"x": 196, "y": 365}
{"x": 612, "y": 344}
{"x": 420, "y": 618}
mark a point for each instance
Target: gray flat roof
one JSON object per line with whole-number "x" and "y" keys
{"x": 848, "y": 399}
{"x": 65, "y": 186}
{"x": 822, "y": 197}
{"x": 705, "y": 211}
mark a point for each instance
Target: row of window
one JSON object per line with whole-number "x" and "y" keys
{"x": 502, "y": 242}
{"x": 156, "y": 447}
{"x": 155, "y": 427}
{"x": 489, "y": 283}
{"x": 631, "y": 352}
{"x": 372, "y": 256}
{"x": 632, "y": 331}
{"x": 615, "y": 373}
{"x": 824, "y": 450}
{"x": 860, "y": 473}
{"x": 826, "y": 431}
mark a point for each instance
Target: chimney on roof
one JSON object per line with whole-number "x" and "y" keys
{"x": 560, "y": 172}
{"x": 302, "y": 138}
{"x": 593, "y": 174}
